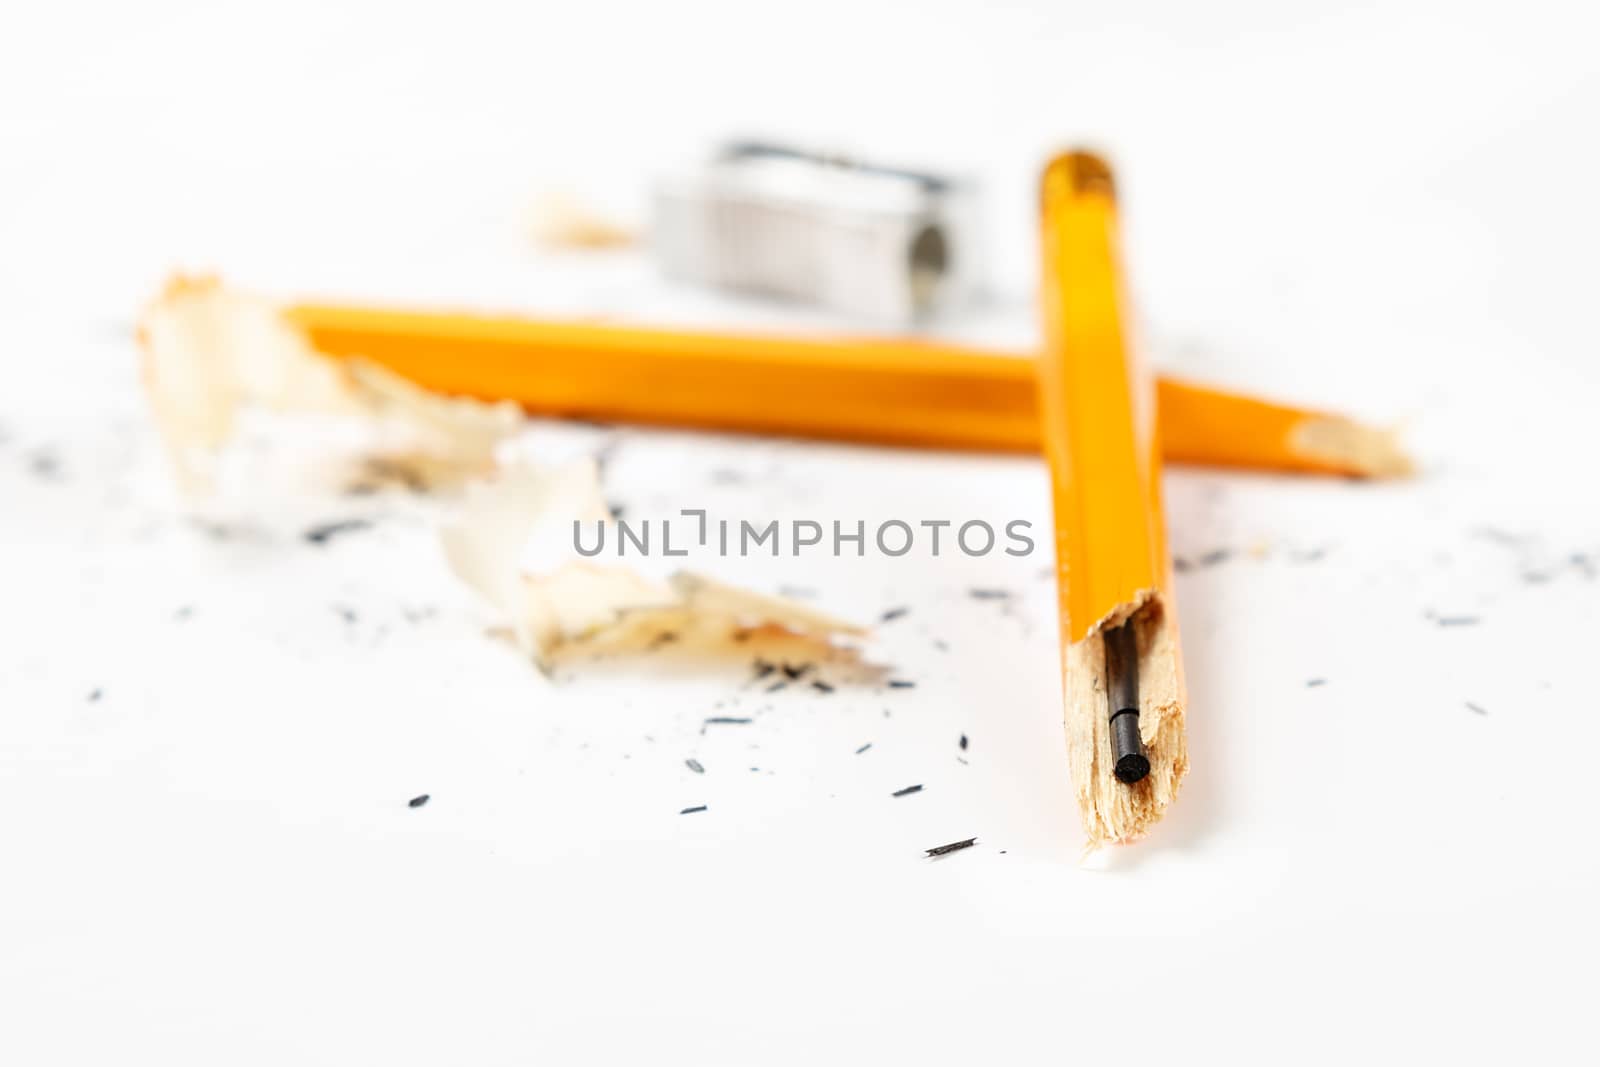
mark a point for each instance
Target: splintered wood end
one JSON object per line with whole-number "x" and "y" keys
{"x": 1111, "y": 810}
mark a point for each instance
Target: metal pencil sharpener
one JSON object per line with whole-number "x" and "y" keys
{"x": 894, "y": 246}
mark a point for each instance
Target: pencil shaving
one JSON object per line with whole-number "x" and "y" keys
{"x": 211, "y": 353}
{"x": 510, "y": 543}
{"x": 558, "y": 220}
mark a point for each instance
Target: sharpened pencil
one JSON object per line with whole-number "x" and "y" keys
{"x": 870, "y": 390}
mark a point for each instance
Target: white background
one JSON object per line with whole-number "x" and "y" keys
{"x": 1387, "y": 208}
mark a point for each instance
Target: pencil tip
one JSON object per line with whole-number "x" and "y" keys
{"x": 1353, "y": 448}
{"x": 1132, "y": 768}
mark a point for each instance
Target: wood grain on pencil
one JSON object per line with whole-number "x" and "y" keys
{"x": 1103, "y": 444}
{"x": 852, "y": 389}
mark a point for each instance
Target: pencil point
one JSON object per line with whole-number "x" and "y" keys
{"x": 1132, "y": 768}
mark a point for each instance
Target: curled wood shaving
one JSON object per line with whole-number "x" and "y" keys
{"x": 512, "y": 542}
{"x": 210, "y": 353}
{"x": 559, "y": 220}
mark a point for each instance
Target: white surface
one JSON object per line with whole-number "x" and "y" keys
{"x": 1388, "y": 209}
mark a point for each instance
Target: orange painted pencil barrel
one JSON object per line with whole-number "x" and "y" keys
{"x": 1122, "y": 678}
{"x": 853, "y": 389}
{"x": 1098, "y": 407}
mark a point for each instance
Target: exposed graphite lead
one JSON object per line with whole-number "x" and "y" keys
{"x": 1129, "y": 762}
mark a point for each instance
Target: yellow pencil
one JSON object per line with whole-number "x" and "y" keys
{"x": 1122, "y": 672}
{"x": 897, "y": 392}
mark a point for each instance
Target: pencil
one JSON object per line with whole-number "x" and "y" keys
{"x": 1121, "y": 669}
{"x": 870, "y": 390}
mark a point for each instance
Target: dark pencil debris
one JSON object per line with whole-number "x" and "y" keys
{"x": 1476, "y": 709}
{"x": 907, "y": 791}
{"x": 820, "y": 686}
{"x": 893, "y": 614}
{"x": 989, "y": 594}
{"x": 217, "y": 531}
{"x": 1456, "y": 620}
{"x": 954, "y": 846}
{"x": 1313, "y": 683}
{"x": 322, "y": 533}
{"x": 863, "y": 748}
{"x": 691, "y": 811}
{"x": 1500, "y": 537}
{"x": 606, "y": 452}
{"x": 1216, "y": 556}
{"x": 417, "y": 801}
{"x": 346, "y": 613}
{"x": 963, "y": 742}
{"x": 45, "y": 466}
{"x": 763, "y": 668}
{"x": 389, "y": 471}
{"x": 1181, "y": 565}
{"x": 723, "y": 720}
{"x": 694, "y": 765}
{"x": 781, "y": 683}
{"x": 901, "y": 683}
{"x": 793, "y": 672}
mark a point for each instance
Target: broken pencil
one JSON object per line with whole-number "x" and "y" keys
{"x": 1122, "y": 678}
